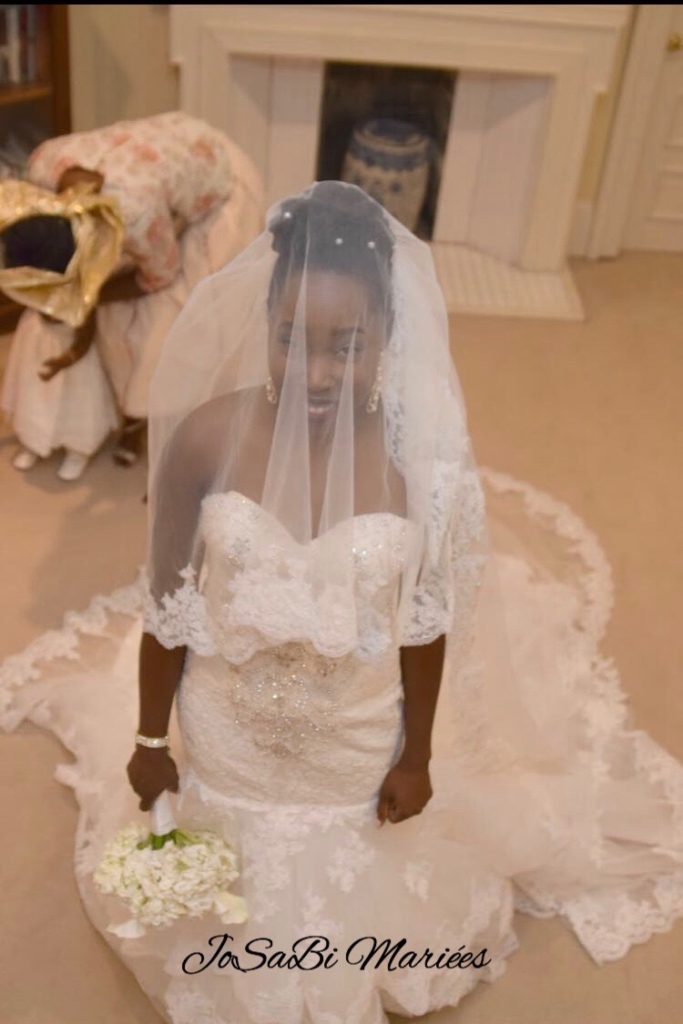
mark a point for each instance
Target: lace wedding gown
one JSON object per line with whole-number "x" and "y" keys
{"x": 284, "y": 755}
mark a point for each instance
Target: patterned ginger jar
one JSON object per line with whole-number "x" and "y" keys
{"x": 390, "y": 159}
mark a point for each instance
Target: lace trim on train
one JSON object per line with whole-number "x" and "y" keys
{"x": 22, "y": 668}
{"x": 606, "y": 923}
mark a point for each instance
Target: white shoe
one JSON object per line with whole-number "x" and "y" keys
{"x": 73, "y": 465}
{"x": 25, "y": 459}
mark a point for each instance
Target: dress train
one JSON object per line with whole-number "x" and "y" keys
{"x": 600, "y": 844}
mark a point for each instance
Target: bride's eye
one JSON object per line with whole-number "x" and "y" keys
{"x": 358, "y": 349}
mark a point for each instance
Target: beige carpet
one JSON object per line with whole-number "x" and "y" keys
{"x": 589, "y": 412}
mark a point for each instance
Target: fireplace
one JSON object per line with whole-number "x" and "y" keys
{"x": 524, "y": 79}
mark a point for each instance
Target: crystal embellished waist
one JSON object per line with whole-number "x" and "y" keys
{"x": 288, "y": 696}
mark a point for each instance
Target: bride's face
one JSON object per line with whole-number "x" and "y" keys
{"x": 340, "y": 323}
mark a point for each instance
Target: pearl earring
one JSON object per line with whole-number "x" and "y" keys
{"x": 271, "y": 393}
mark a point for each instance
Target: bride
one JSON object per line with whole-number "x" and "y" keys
{"x": 372, "y": 667}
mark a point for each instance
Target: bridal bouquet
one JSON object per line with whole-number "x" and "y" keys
{"x": 168, "y": 873}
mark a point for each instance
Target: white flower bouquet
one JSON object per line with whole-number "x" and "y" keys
{"x": 169, "y": 873}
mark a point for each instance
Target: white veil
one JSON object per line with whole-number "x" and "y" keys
{"x": 336, "y": 301}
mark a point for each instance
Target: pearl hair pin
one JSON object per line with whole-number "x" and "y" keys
{"x": 287, "y": 215}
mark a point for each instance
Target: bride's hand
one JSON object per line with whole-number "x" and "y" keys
{"x": 150, "y": 772}
{"x": 405, "y": 791}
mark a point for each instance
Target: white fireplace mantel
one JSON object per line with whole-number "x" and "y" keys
{"x": 508, "y": 188}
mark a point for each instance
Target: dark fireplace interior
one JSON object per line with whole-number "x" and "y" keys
{"x": 357, "y": 92}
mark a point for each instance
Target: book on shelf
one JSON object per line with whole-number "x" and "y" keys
{"x": 18, "y": 44}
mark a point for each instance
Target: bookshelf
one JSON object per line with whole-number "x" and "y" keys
{"x": 35, "y": 101}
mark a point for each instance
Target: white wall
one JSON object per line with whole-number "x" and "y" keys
{"x": 119, "y": 63}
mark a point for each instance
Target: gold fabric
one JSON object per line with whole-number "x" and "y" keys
{"x": 98, "y": 232}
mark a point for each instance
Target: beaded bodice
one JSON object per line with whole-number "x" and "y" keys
{"x": 262, "y": 588}
{"x": 286, "y": 695}
{"x": 303, "y": 696}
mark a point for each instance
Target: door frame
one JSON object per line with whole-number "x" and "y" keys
{"x": 646, "y": 53}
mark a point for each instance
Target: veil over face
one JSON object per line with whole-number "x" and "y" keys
{"x": 310, "y": 382}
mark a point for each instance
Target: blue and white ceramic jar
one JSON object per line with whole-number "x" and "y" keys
{"x": 390, "y": 160}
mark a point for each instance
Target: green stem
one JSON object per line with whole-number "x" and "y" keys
{"x": 176, "y": 836}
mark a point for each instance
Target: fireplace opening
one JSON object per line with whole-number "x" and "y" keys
{"x": 385, "y": 128}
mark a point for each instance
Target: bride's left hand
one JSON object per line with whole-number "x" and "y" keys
{"x": 406, "y": 790}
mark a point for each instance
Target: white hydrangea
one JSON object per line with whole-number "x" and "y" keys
{"x": 189, "y": 875}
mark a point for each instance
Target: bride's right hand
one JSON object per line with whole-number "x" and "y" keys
{"x": 150, "y": 772}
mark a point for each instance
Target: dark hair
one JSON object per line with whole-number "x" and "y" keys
{"x": 335, "y": 227}
{"x": 45, "y": 241}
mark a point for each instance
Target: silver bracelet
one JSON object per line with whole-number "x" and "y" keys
{"x": 151, "y": 741}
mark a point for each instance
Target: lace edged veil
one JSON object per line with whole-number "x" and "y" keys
{"x": 312, "y": 378}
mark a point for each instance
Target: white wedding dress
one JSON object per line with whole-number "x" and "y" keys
{"x": 284, "y": 755}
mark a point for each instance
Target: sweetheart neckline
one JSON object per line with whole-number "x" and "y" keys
{"x": 269, "y": 515}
